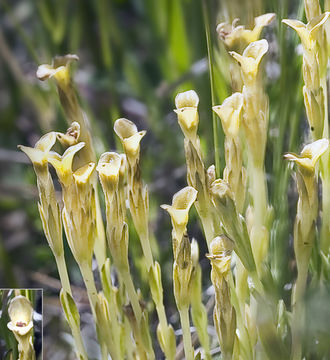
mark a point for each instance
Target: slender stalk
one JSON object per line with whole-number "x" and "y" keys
{"x": 185, "y": 324}
{"x": 298, "y": 312}
{"x": 64, "y": 278}
{"x": 257, "y": 177}
{"x": 325, "y": 175}
{"x": 63, "y": 273}
{"x": 87, "y": 274}
{"x": 79, "y": 343}
{"x": 161, "y": 316}
{"x": 133, "y": 297}
{"x": 146, "y": 248}
{"x": 100, "y": 243}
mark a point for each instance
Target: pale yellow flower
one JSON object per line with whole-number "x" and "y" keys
{"x": 21, "y": 313}
{"x": 129, "y": 136}
{"x": 72, "y": 135}
{"x": 181, "y": 204}
{"x": 186, "y": 107}
{"x": 39, "y": 153}
{"x": 63, "y": 164}
{"x": 309, "y": 154}
{"x": 308, "y": 32}
{"x": 251, "y": 58}
{"x": 179, "y": 211}
{"x": 230, "y": 113}
{"x": 59, "y": 69}
{"x": 234, "y": 35}
{"x": 109, "y": 166}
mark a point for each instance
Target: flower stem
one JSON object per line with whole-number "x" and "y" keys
{"x": 63, "y": 273}
{"x": 184, "y": 318}
{"x": 132, "y": 295}
{"x": 87, "y": 274}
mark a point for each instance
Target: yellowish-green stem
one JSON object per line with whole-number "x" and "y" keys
{"x": 87, "y": 274}
{"x": 298, "y": 312}
{"x": 100, "y": 243}
{"x": 132, "y": 295}
{"x": 63, "y": 273}
{"x": 185, "y": 324}
{"x": 146, "y": 248}
{"x": 325, "y": 175}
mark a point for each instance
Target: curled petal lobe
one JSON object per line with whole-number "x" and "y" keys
{"x": 186, "y": 99}
{"x": 109, "y": 165}
{"x": 20, "y": 330}
{"x": 310, "y": 154}
{"x": 83, "y": 174}
{"x": 181, "y": 204}
{"x": 132, "y": 144}
{"x": 129, "y": 135}
{"x": 125, "y": 128}
{"x": 63, "y": 164}
{"x": 39, "y": 153}
{"x": 264, "y": 20}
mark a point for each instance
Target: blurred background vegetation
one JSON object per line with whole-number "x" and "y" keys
{"x": 135, "y": 55}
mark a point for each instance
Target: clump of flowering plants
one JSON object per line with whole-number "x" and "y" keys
{"x": 235, "y": 212}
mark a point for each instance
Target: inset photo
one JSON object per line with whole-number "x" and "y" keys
{"x": 21, "y": 324}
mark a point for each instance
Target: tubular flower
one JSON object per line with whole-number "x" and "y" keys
{"x": 79, "y": 215}
{"x": 308, "y": 33}
{"x": 48, "y": 206}
{"x": 179, "y": 210}
{"x": 130, "y": 138}
{"x": 108, "y": 169}
{"x": 224, "y": 314}
{"x": 304, "y": 229}
{"x": 60, "y": 71}
{"x": 230, "y": 114}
